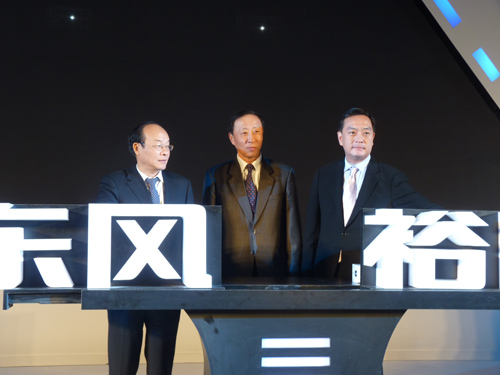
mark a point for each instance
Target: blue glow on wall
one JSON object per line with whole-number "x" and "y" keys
{"x": 448, "y": 11}
{"x": 486, "y": 64}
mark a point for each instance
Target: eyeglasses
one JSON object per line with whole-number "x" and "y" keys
{"x": 159, "y": 147}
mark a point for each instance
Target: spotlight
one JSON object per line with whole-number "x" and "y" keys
{"x": 68, "y": 18}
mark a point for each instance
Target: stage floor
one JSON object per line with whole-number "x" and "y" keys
{"x": 390, "y": 368}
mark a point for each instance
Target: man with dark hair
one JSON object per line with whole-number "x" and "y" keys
{"x": 340, "y": 191}
{"x": 260, "y": 212}
{"x": 147, "y": 182}
{"x": 355, "y": 112}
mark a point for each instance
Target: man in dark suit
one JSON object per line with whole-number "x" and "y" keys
{"x": 260, "y": 211}
{"x": 147, "y": 182}
{"x": 340, "y": 191}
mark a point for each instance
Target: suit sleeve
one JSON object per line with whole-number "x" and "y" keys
{"x": 294, "y": 230}
{"x": 209, "y": 189}
{"x": 108, "y": 191}
{"x": 312, "y": 229}
{"x": 404, "y": 196}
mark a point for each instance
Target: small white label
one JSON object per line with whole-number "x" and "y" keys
{"x": 356, "y": 274}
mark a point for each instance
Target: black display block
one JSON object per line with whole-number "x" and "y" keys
{"x": 45, "y": 223}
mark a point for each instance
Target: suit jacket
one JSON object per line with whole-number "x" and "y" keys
{"x": 273, "y": 237}
{"x": 127, "y": 186}
{"x": 325, "y": 234}
{"x": 126, "y": 326}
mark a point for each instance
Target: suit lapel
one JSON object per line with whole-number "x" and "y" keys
{"x": 137, "y": 185}
{"x": 235, "y": 182}
{"x": 369, "y": 182}
{"x": 169, "y": 187}
{"x": 266, "y": 184}
{"x": 336, "y": 183}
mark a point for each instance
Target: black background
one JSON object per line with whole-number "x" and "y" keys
{"x": 71, "y": 92}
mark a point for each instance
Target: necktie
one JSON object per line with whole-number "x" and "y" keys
{"x": 151, "y": 184}
{"x": 349, "y": 197}
{"x": 250, "y": 188}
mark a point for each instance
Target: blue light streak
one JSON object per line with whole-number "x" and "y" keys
{"x": 448, "y": 11}
{"x": 486, "y": 64}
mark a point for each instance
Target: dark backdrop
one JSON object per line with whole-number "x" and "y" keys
{"x": 71, "y": 91}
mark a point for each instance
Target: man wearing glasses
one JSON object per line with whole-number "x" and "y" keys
{"x": 146, "y": 182}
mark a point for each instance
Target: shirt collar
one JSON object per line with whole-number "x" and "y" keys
{"x": 145, "y": 176}
{"x": 243, "y": 164}
{"x": 361, "y": 166}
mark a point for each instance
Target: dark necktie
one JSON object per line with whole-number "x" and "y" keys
{"x": 250, "y": 188}
{"x": 151, "y": 184}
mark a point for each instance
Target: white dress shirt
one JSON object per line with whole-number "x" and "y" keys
{"x": 360, "y": 176}
{"x": 159, "y": 183}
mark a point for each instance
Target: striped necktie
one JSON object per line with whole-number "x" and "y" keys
{"x": 151, "y": 184}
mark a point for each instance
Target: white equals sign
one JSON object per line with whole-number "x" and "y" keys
{"x": 295, "y": 343}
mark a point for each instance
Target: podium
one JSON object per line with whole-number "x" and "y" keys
{"x": 301, "y": 326}
{"x": 257, "y": 329}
